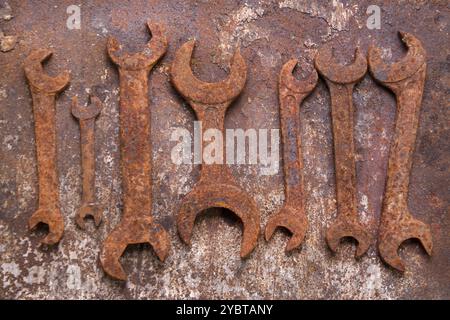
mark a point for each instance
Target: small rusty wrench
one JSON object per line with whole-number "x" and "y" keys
{"x": 43, "y": 91}
{"x": 216, "y": 187}
{"x": 137, "y": 225}
{"x": 406, "y": 79}
{"x": 292, "y": 215}
{"x": 340, "y": 80}
{"x": 86, "y": 117}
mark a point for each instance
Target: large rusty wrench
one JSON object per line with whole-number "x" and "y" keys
{"x": 292, "y": 215}
{"x": 86, "y": 116}
{"x": 340, "y": 80}
{"x": 406, "y": 79}
{"x": 43, "y": 91}
{"x": 137, "y": 225}
{"x": 217, "y": 187}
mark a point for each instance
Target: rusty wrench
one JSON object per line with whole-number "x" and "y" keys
{"x": 406, "y": 79}
{"x": 292, "y": 215}
{"x": 137, "y": 225}
{"x": 86, "y": 117}
{"x": 216, "y": 187}
{"x": 43, "y": 91}
{"x": 341, "y": 80}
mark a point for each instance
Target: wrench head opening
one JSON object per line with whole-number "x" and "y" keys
{"x": 289, "y": 82}
{"x": 36, "y": 76}
{"x": 145, "y": 59}
{"x": 344, "y": 229}
{"x": 195, "y": 90}
{"x": 290, "y": 219}
{"x": 91, "y": 209}
{"x": 228, "y": 196}
{"x": 338, "y": 73}
{"x": 390, "y": 240}
{"x": 92, "y": 110}
{"x": 52, "y": 217}
{"x": 405, "y": 68}
{"x": 133, "y": 232}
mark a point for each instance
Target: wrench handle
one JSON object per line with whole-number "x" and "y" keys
{"x": 135, "y": 143}
{"x": 344, "y": 149}
{"x": 409, "y": 100}
{"x": 88, "y": 159}
{"x": 292, "y": 149}
{"x": 44, "y": 109}
{"x": 213, "y": 118}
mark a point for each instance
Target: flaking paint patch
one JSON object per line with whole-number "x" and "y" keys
{"x": 374, "y": 283}
{"x": 364, "y": 212}
{"x": 334, "y": 13}
{"x": 3, "y": 94}
{"x": 73, "y": 277}
{"x": 239, "y": 30}
{"x": 11, "y": 268}
{"x": 10, "y": 141}
{"x": 36, "y": 275}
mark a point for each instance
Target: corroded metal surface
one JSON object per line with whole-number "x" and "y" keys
{"x": 406, "y": 79}
{"x": 292, "y": 216}
{"x": 269, "y": 34}
{"x": 341, "y": 80}
{"x": 137, "y": 225}
{"x": 44, "y": 90}
{"x": 86, "y": 117}
{"x": 217, "y": 187}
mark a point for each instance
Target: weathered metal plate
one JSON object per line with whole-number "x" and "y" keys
{"x": 270, "y": 33}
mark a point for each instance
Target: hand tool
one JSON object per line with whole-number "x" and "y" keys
{"x": 216, "y": 187}
{"x": 43, "y": 91}
{"x": 406, "y": 79}
{"x": 292, "y": 215}
{"x": 341, "y": 80}
{"x": 137, "y": 225}
{"x": 86, "y": 117}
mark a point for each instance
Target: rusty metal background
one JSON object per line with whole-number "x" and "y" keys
{"x": 270, "y": 33}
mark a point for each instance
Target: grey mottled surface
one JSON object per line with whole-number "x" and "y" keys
{"x": 270, "y": 33}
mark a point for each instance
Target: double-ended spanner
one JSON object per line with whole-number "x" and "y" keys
{"x": 43, "y": 91}
{"x": 137, "y": 225}
{"x": 292, "y": 216}
{"x": 216, "y": 187}
{"x": 406, "y": 79}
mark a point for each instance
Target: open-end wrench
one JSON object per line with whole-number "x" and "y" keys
{"x": 216, "y": 187}
{"x": 86, "y": 117}
{"x": 43, "y": 91}
{"x": 291, "y": 93}
{"x": 341, "y": 80}
{"x": 137, "y": 225}
{"x": 406, "y": 79}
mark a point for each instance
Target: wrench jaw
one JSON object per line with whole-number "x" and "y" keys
{"x": 388, "y": 74}
{"x": 288, "y": 83}
{"x": 92, "y": 110}
{"x": 345, "y": 229}
{"x": 289, "y": 218}
{"x": 391, "y": 239}
{"x": 90, "y": 209}
{"x": 51, "y": 217}
{"x": 144, "y": 60}
{"x": 38, "y": 79}
{"x": 132, "y": 232}
{"x": 228, "y": 196}
{"x": 338, "y": 73}
{"x": 195, "y": 90}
